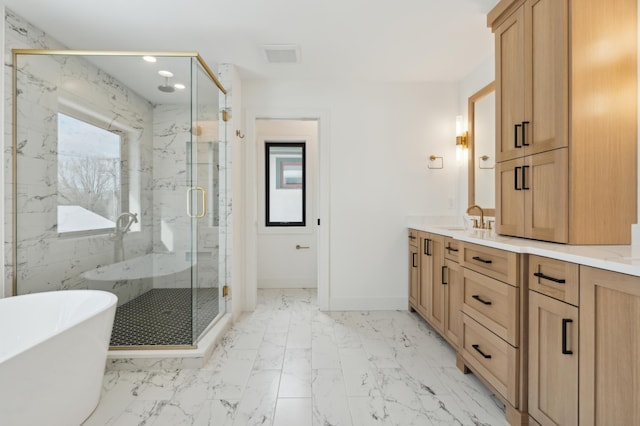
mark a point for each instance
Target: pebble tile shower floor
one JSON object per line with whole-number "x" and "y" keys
{"x": 163, "y": 317}
{"x": 289, "y": 364}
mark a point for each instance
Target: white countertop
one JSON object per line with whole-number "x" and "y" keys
{"x": 624, "y": 259}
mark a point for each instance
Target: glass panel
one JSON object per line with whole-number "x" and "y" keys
{"x": 285, "y": 184}
{"x": 206, "y": 173}
{"x": 146, "y": 227}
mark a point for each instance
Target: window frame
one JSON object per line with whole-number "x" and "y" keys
{"x": 102, "y": 124}
{"x": 285, "y": 144}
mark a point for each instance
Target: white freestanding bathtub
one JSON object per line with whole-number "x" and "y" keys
{"x": 53, "y": 348}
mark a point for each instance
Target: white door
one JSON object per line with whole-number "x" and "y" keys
{"x": 287, "y": 203}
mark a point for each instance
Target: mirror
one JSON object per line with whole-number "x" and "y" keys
{"x": 482, "y": 151}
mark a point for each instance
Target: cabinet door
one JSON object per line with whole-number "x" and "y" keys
{"x": 436, "y": 312}
{"x": 426, "y": 274}
{"x": 547, "y": 75}
{"x": 510, "y": 198}
{"x": 453, "y": 302}
{"x": 609, "y": 348}
{"x": 413, "y": 275}
{"x": 431, "y": 301}
{"x": 553, "y": 361}
{"x": 510, "y": 86}
{"x": 545, "y": 188}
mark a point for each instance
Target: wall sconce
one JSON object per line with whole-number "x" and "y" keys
{"x": 461, "y": 133}
{"x": 461, "y": 140}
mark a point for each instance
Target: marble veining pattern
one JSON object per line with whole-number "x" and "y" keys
{"x": 287, "y": 363}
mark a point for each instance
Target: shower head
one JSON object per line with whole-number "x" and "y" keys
{"x": 166, "y": 87}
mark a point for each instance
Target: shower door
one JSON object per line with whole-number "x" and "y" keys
{"x": 207, "y": 205}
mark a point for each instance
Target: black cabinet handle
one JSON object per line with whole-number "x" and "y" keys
{"x": 547, "y": 277}
{"x": 479, "y": 259}
{"x": 444, "y": 271}
{"x": 412, "y": 237}
{"x": 451, "y": 249}
{"x": 565, "y": 321}
{"x": 515, "y": 136}
{"x": 515, "y": 178}
{"x": 524, "y": 134}
{"x": 477, "y": 348}
{"x": 426, "y": 247}
{"x": 524, "y": 177}
{"x": 413, "y": 260}
{"x": 479, "y": 299}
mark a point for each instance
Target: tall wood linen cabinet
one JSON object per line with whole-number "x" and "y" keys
{"x": 566, "y": 119}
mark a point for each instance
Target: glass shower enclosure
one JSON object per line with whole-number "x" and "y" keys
{"x": 118, "y": 185}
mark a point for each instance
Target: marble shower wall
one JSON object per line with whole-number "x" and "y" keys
{"x": 158, "y": 137}
{"x": 47, "y": 261}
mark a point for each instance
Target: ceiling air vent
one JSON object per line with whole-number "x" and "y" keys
{"x": 281, "y": 53}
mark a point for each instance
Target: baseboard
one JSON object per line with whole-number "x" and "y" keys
{"x": 369, "y": 304}
{"x": 287, "y": 283}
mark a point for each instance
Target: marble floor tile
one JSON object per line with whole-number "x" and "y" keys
{"x": 324, "y": 353}
{"x": 359, "y": 379}
{"x": 258, "y": 402}
{"x": 295, "y": 381}
{"x": 293, "y": 411}
{"x": 216, "y": 412}
{"x": 330, "y": 404}
{"x": 271, "y": 352}
{"x": 229, "y": 379}
{"x": 370, "y": 410}
{"x": 287, "y": 363}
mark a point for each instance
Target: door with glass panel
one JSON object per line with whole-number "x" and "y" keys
{"x": 287, "y": 182}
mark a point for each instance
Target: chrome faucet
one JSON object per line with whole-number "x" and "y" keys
{"x": 123, "y": 223}
{"x": 475, "y": 221}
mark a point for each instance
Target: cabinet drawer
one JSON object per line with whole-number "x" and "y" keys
{"x": 499, "y": 264}
{"x": 491, "y": 357}
{"x": 413, "y": 237}
{"x": 555, "y": 278}
{"x": 452, "y": 249}
{"x": 492, "y": 303}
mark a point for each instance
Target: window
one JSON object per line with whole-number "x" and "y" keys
{"x": 285, "y": 184}
{"x": 89, "y": 176}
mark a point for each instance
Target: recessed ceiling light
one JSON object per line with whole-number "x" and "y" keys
{"x": 149, "y": 58}
{"x": 179, "y": 86}
{"x": 164, "y": 73}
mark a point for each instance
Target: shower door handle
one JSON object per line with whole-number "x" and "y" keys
{"x": 204, "y": 202}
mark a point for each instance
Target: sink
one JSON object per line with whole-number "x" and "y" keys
{"x": 455, "y": 228}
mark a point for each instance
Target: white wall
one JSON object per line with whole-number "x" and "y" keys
{"x": 380, "y": 137}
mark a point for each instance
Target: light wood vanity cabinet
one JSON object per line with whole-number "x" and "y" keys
{"x": 609, "y": 348}
{"x": 414, "y": 268}
{"x": 491, "y": 321}
{"x": 558, "y": 342}
{"x": 431, "y": 301}
{"x": 532, "y": 196}
{"x": 563, "y": 157}
{"x": 453, "y": 302}
{"x": 435, "y": 289}
{"x": 553, "y": 341}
